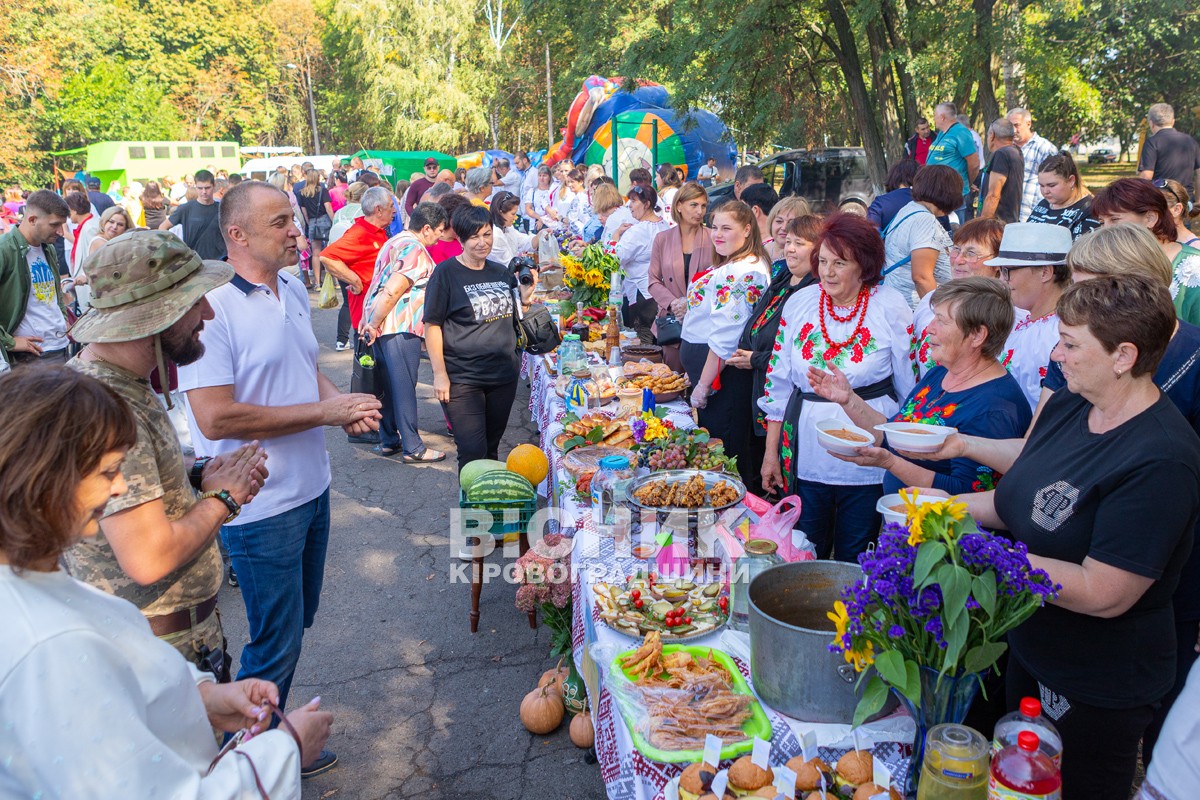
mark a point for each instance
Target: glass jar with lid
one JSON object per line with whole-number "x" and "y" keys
{"x": 759, "y": 556}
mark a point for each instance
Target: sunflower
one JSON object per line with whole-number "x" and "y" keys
{"x": 861, "y": 658}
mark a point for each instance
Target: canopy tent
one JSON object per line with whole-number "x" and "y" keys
{"x": 397, "y": 165}
{"x": 152, "y": 161}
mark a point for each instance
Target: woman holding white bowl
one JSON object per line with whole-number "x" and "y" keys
{"x": 968, "y": 390}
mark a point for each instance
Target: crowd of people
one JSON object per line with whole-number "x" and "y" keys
{"x": 987, "y": 289}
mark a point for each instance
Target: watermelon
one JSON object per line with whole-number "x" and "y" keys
{"x": 500, "y": 485}
{"x": 476, "y": 468}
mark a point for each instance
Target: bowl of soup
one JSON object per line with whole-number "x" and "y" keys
{"x": 892, "y": 507}
{"x": 843, "y": 438}
{"x": 915, "y": 437}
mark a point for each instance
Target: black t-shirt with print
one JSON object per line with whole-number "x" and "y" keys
{"x": 474, "y": 307}
{"x": 1128, "y": 498}
{"x": 1009, "y": 162}
{"x": 1077, "y": 217}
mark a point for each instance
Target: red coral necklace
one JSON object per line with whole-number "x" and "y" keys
{"x": 860, "y": 310}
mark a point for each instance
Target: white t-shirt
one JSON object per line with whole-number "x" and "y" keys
{"x": 706, "y": 173}
{"x": 265, "y": 348}
{"x": 42, "y": 315}
{"x": 633, "y": 251}
{"x": 508, "y": 243}
{"x": 913, "y": 228}
{"x": 1175, "y": 765}
{"x": 1027, "y": 352}
{"x": 97, "y": 706}
{"x": 720, "y": 302}
{"x": 615, "y": 220}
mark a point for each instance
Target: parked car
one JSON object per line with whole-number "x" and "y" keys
{"x": 831, "y": 179}
{"x": 1102, "y": 156}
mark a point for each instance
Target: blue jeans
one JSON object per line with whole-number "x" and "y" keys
{"x": 280, "y": 564}
{"x": 836, "y": 518}
{"x": 400, "y": 357}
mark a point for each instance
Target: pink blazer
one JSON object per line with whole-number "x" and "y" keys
{"x": 667, "y": 279}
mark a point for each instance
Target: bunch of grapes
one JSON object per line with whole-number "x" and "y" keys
{"x": 673, "y": 456}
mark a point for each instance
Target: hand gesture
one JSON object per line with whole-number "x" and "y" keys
{"x": 27, "y": 344}
{"x": 233, "y": 706}
{"x": 441, "y": 387}
{"x": 241, "y": 473}
{"x": 870, "y": 457}
{"x": 953, "y": 446}
{"x": 740, "y": 359}
{"x": 772, "y": 475}
{"x": 312, "y": 726}
{"x": 700, "y": 396}
{"x": 832, "y": 385}
{"x": 347, "y": 409}
{"x": 621, "y": 230}
{"x": 679, "y": 307}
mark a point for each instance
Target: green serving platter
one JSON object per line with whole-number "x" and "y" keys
{"x": 756, "y": 725}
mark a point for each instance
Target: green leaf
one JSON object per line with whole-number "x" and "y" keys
{"x": 956, "y": 639}
{"x": 913, "y": 682}
{"x": 890, "y": 666}
{"x": 568, "y": 418}
{"x": 595, "y": 435}
{"x": 983, "y": 587}
{"x": 982, "y": 656}
{"x": 928, "y": 555}
{"x": 572, "y": 443}
{"x": 874, "y": 696}
{"x": 956, "y": 585}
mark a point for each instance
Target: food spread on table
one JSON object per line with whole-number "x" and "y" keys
{"x": 675, "y": 609}
{"x": 690, "y": 493}
{"x": 593, "y": 429}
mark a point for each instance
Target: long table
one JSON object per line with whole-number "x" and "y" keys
{"x": 626, "y": 773}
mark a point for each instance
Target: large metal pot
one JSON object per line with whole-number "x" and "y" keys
{"x": 790, "y": 663}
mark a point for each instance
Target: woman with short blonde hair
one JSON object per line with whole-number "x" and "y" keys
{"x": 784, "y": 212}
{"x": 1121, "y": 249}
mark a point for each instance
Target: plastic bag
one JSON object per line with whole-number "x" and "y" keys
{"x": 329, "y": 293}
{"x": 776, "y": 522}
{"x": 548, "y": 254}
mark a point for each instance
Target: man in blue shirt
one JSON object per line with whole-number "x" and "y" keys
{"x": 955, "y": 147}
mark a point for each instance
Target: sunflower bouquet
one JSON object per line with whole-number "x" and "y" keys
{"x": 937, "y": 594}
{"x": 589, "y": 275}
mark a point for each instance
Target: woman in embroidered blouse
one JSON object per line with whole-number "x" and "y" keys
{"x": 967, "y": 389}
{"x": 1137, "y": 200}
{"x": 635, "y": 241}
{"x": 974, "y": 243}
{"x": 852, "y": 321}
{"x": 719, "y": 304}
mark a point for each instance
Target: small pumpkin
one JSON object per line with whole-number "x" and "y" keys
{"x": 582, "y": 732}
{"x": 542, "y": 710}
{"x": 554, "y": 676}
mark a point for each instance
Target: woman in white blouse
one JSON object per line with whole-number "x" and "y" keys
{"x": 540, "y": 199}
{"x": 507, "y": 241}
{"x": 94, "y": 704}
{"x": 719, "y": 303}
{"x": 634, "y": 242}
{"x": 851, "y": 320}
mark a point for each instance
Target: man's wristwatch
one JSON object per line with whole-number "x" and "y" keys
{"x": 196, "y": 473}
{"x": 225, "y": 497}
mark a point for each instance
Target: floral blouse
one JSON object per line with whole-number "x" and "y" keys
{"x": 1027, "y": 352}
{"x": 1185, "y": 286}
{"x": 880, "y": 352}
{"x": 918, "y": 352}
{"x": 720, "y": 302}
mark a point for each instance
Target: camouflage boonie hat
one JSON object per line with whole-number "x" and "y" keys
{"x": 143, "y": 282}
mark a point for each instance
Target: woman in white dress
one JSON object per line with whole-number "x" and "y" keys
{"x": 854, "y": 322}
{"x": 507, "y": 241}
{"x": 94, "y": 704}
{"x": 540, "y": 199}
{"x": 635, "y": 241}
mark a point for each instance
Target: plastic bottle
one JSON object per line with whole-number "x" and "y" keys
{"x": 956, "y": 764}
{"x": 612, "y": 334}
{"x": 1028, "y": 717}
{"x": 605, "y": 498}
{"x": 1022, "y": 771}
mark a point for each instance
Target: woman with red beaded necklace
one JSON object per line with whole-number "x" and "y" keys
{"x": 852, "y": 321}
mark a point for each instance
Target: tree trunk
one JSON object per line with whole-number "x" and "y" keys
{"x": 864, "y": 113}
{"x": 1011, "y": 67}
{"x": 908, "y": 94}
{"x": 885, "y": 92}
{"x": 985, "y": 100}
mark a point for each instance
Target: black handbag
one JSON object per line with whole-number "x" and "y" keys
{"x": 363, "y": 377}
{"x": 537, "y": 333}
{"x": 668, "y": 330}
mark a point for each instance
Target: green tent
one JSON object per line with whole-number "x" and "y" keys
{"x": 397, "y": 165}
{"x": 152, "y": 161}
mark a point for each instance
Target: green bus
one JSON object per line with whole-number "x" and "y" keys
{"x": 151, "y": 161}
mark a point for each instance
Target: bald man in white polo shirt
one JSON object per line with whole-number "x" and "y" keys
{"x": 258, "y": 380}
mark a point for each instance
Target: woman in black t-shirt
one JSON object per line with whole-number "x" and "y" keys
{"x": 1067, "y": 201}
{"x": 471, "y": 338}
{"x": 317, "y": 207}
{"x": 1105, "y": 495}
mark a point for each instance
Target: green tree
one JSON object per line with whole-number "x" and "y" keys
{"x": 103, "y": 103}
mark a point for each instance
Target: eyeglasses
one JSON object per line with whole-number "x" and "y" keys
{"x": 1006, "y": 271}
{"x": 969, "y": 255}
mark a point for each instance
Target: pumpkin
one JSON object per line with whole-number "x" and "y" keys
{"x": 542, "y": 710}
{"x": 554, "y": 676}
{"x": 529, "y": 462}
{"x": 582, "y": 732}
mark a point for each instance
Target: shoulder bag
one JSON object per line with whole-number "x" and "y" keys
{"x": 537, "y": 334}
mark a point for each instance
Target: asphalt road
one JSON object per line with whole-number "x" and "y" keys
{"x": 422, "y": 708}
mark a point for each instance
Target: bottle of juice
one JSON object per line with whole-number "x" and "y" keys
{"x": 1022, "y": 771}
{"x": 1028, "y": 717}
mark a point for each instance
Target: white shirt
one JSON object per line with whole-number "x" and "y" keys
{"x": 266, "y": 350}
{"x": 633, "y": 251}
{"x": 914, "y": 228}
{"x": 665, "y": 200}
{"x": 880, "y": 352}
{"x": 528, "y": 184}
{"x": 919, "y": 349}
{"x": 615, "y": 220}
{"x": 508, "y": 243}
{"x": 1175, "y": 766}
{"x": 720, "y": 302}
{"x": 94, "y": 705}
{"x": 1027, "y": 352}
{"x": 509, "y": 182}
{"x": 42, "y": 315}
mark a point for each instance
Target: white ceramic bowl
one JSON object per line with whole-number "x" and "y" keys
{"x": 886, "y": 505}
{"x": 837, "y": 444}
{"x": 915, "y": 437}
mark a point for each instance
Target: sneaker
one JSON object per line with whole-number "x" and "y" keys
{"x": 340, "y": 346}
{"x": 323, "y": 763}
{"x": 233, "y": 581}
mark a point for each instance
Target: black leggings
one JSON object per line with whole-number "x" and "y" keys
{"x": 343, "y": 323}
{"x": 728, "y": 415}
{"x": 1100, "y": 745}
{"x": 640, "y": 317}
{"x": 478, "y": 416}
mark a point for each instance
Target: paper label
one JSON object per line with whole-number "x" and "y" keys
{"x": 761, "y": 755}
{"x": 808, "y": 745}
{"x": 785, "y": 782}
{"x": 998, "y": 791}
{"x": 712, "y": 751}
{"x": 880, "y": 774}
{"x": 720, "y": 782}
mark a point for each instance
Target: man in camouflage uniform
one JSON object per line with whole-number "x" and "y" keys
{"x": 157, "y": 546}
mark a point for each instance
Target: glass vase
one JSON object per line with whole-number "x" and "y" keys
{"x": 943, "y": 699}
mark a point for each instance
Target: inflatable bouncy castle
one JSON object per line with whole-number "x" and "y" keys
{"x": 642, "y": 119}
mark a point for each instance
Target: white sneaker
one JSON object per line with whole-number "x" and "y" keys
{"x": 340, "y": 346}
